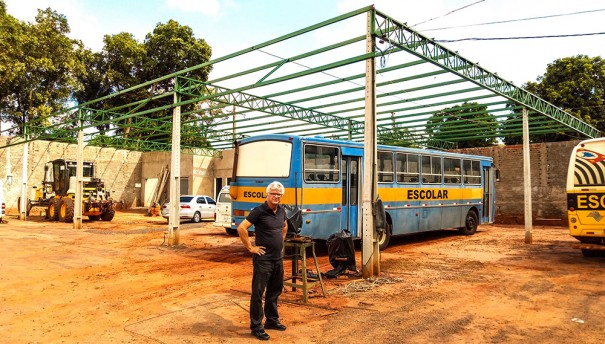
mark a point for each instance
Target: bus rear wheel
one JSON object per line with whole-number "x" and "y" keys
{"x": 588, "y": 253}
{"x": 471, "y": 221}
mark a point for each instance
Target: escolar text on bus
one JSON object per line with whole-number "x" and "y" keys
{"x": 427, "y": 194}
{"x": 254, "y": 194}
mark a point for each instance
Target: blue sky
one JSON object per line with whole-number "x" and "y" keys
{"x": 231, "y": 25}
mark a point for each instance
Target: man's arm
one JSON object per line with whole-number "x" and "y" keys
{"x": 285, "y": 230}
{"x": 242, "y": 230}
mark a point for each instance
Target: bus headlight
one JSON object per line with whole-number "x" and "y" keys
{"x": 573, "y": 220}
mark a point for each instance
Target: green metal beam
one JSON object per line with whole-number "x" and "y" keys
{"x": 413, "y": 42}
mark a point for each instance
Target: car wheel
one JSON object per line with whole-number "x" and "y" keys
{"x": 197, "y": 217}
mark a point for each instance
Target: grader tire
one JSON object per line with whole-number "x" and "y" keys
{"x": 53, "y": 209}
{"x": 66, "y": 210}
{"x": 108, "y": 214}
{"x": 29, "y": 206}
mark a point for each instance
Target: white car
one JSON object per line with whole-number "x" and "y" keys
{"x": 193, "y": 207}
{"x": 223, "y": 211}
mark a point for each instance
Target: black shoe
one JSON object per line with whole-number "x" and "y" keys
{"x": 275, "y": 326}
{"x": 260, "y": 334}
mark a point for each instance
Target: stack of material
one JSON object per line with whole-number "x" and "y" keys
{"x": 160, "y": 194}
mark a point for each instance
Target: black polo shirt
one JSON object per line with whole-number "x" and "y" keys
{"x": 268, "y": 230}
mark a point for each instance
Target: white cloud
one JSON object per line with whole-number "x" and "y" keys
{"x": 83, "y": 24}
{"x": 208, "y": 7}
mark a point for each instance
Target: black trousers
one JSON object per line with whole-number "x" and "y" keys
{"x": 268, "y": 278}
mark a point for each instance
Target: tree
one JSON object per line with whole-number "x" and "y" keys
{"x": 468, "y": 124}
{"x": 37, "y": 67}
{"x": 577, "y": 85}
{"x": 172, "y": 47}
{"x": 124, "y": 63}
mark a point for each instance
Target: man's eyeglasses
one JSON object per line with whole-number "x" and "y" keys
{"x": 275, "y": 194}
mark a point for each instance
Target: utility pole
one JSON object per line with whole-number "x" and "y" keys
{"x": 174, "y": 219}
{"x": 527, "y": 179}
{"x": 370, "y": 254}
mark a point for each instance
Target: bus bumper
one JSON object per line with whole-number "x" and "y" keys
{"x": 594, "y": 247}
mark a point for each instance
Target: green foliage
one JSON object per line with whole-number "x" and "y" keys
{"x": 468, "y": 124}
{"x": 125, "y": 63}
{"x": 43, "y": 72}
{"x": 172, "y": 47}
{"x": 37, "y": 67}
{"x": 398, "y": 136}
{"x": 577, "y": 85}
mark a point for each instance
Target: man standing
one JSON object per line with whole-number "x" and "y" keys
{"x": 270, "y": 228}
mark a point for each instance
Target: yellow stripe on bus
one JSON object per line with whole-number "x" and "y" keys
{"x": 334, "y": 195}
{"x": 258, "y": 194}
{"x": 428, "y": 194}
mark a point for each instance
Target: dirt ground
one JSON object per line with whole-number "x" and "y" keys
{"x": 117, "y": 283}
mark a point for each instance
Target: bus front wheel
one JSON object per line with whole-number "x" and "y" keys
{"x": 471, "y": 221}
{"x": 384, "y": 237}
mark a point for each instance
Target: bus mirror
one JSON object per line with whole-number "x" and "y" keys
{"x": 497, "y": 175}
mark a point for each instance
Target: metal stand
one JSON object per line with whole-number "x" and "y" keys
{"x": 299, "y": 249}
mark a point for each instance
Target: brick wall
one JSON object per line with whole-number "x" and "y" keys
{"x": 548, "y": 164}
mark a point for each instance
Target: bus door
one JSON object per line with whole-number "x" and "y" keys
{"x": 350, "y": 169}
{"x": 488, "y": 194}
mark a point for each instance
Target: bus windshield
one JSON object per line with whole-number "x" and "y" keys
{"x": 269, "y": 159}
{"x": 589, "y": 168}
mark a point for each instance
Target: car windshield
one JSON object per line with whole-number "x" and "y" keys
{"x": 186, "y": 199}
{"x": 224, "y": 197}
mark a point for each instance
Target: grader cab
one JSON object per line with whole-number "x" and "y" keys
{"x": 58, "y": 193}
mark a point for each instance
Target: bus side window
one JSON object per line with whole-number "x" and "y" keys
{"x": 431, "y": 169}
{"x": 407, "y": 168}
{"x": 385, "y": 167}
{"x": 321, "y": 163}
{"x": 471, "y": 170}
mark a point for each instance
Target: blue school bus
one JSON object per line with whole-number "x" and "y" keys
{"x": 421, "y": 190}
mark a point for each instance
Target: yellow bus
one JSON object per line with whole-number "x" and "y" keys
{"x": 586, "y": 195}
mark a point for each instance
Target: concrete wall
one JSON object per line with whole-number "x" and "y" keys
{"x": 119, "y": 169}
{"x": 223, "y": 168}
{"x": 130, "y": 176}
{"x": 196, "y": 170}
{"x": 548, "y": 163}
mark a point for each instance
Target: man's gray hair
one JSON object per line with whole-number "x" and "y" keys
{"x": 276, "y": 185}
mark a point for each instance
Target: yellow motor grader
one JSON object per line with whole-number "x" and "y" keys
{"x": 58, "y": 193}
